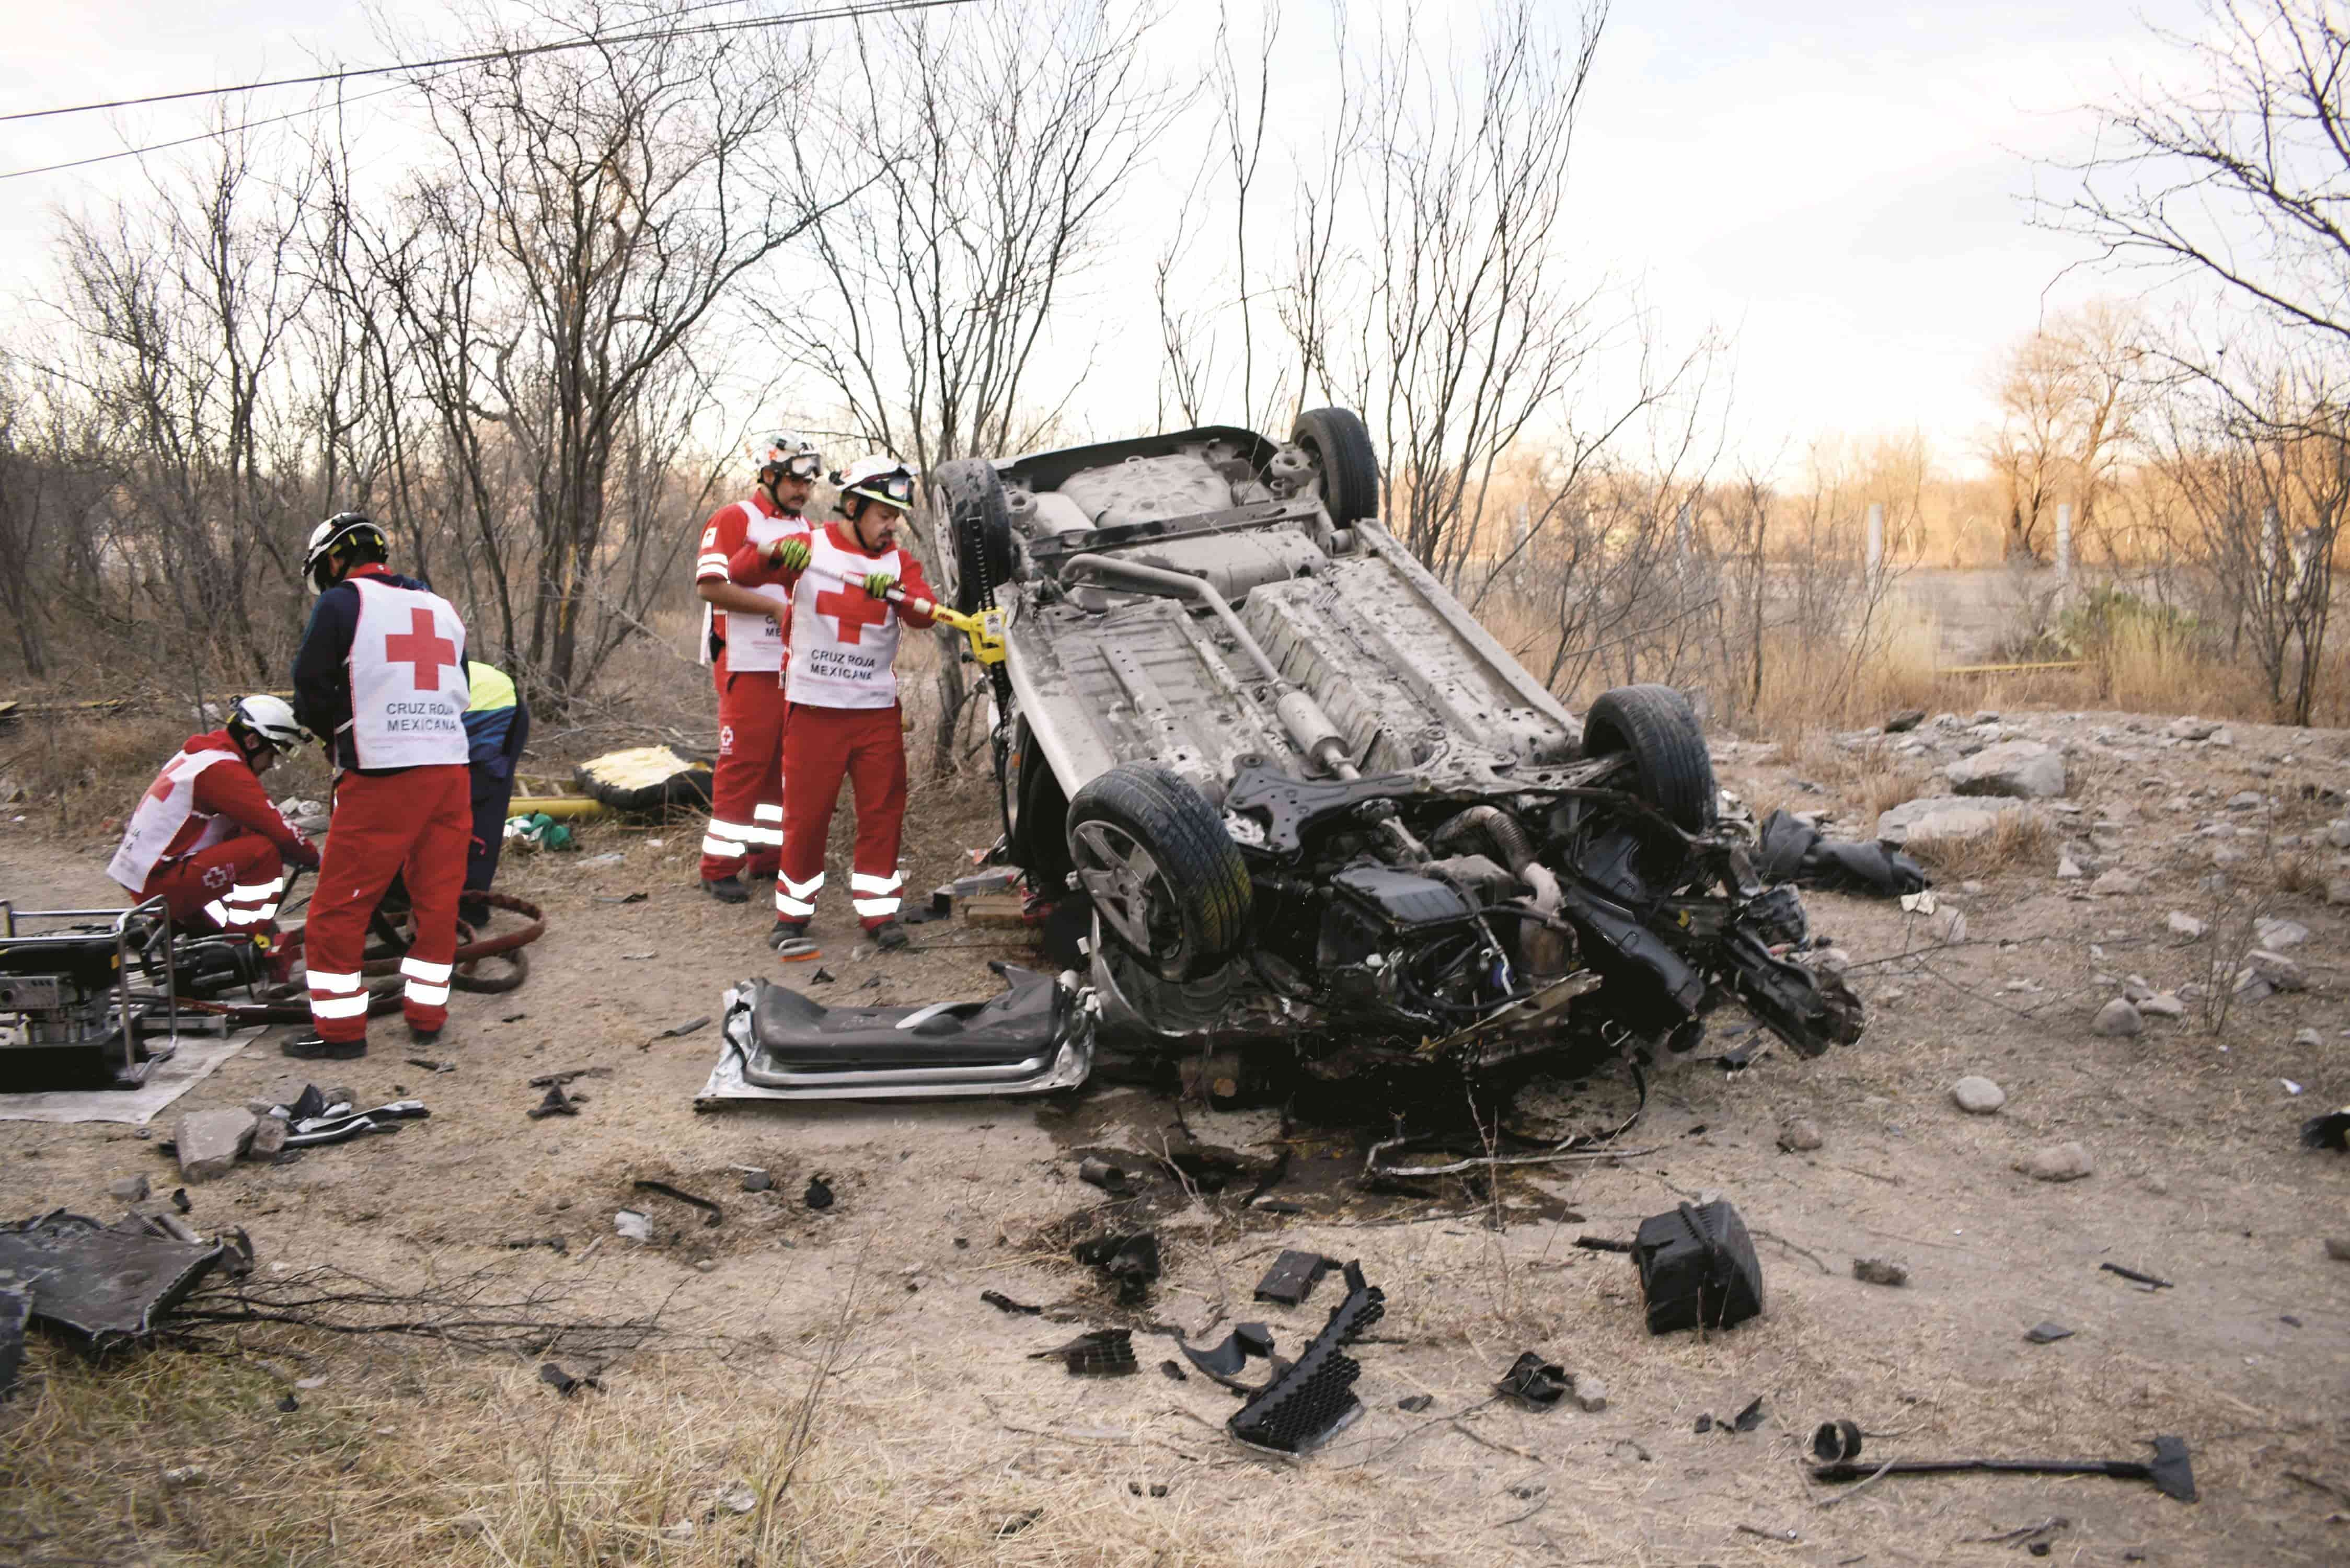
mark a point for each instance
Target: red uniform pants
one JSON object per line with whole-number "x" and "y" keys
{"x": 232, "y": 887}
{"x": 412, "y": 825}
{"x": 868, "y": 744}
{"x": 746, "y": 790}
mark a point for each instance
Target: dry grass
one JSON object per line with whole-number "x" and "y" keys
{"x": 2020, "y": 840}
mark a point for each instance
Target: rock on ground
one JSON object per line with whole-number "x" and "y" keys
{"x": 2026, "y": 769}
{"x": 210, "y": 1141}
{"x": 2162, "y": 1004}
{"x": 1944, "y": 816}
{"x": 2117, "y": 884}
{"x": 2281, "y": 972}
{"x": 269, "y": 1135}
{"x": 1978, "y": 1095}
{"x": 2056, "y": 1162}
{"x": 2191, "y": 729}
{"x": 2180, "y": 924}
{"x": 1800, "y": 1137}
{"x": 1880, "y": 1271}
{"x": 2276, "y": 934}
{"x": 2116, "y": 1019}
{"x": 1590, "y": 1393}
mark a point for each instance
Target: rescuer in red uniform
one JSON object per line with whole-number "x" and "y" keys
{"x": 843, "y": 688}
{"x": 207, "y": 838}
{"x": 744, "y": 639}
{"x": 381, "y": 679}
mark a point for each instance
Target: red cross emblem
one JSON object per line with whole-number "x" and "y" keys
{"x": 162, "y": 786}
{"x": 853, "y": 609}
{"x": 419, "y": 648}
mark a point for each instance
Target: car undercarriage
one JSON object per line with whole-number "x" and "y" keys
{"x": 1316, "y": 812}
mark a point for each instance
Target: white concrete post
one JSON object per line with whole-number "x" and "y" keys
{"x": 2063, "y": 544}
{"x": 1876, "y": 537}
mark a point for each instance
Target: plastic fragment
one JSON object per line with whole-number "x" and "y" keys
{"x": 1291, "y": 1278}
{"x": 1097, "y": 1352}
{"x": 1002, "y": 1303}
{"x": 1532, "y": 1381}
{"x": 1312, "y": 1400}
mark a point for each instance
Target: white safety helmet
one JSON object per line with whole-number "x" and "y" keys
{"x": 347, "y": 532}
{"x": 877, "y": 478}
{"x": 787, "y": 452}
{"x": 266, "y": 721}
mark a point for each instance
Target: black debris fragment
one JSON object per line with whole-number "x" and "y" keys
{"x": 429, "y": 1064}
{"x": 1750, "y": 1418}
{"x": 309, "y": 1105}
{"x": 180, "y": 1199}
{"x": 514, "y": 1018}
{"x": 2160, "y": 1285}
{"x": 1002, "y": 1303}
{"x": 1314, "y": 1399}
{"x": 822, "y": 976}
{"x": 1291, "y": 1278}
{"x": 1278, "y": 1206}
{"x": 1602, "y": 1244}
{"x": 711, "y": 1213}
{"x": 1698, "y": 1268}
{"x": 564, "y": 1383}
{"x": 289, "y": 1404}
{"x": 107, "y": 1287}
{"x": 1704, "y": 1424}
{"x": 556, "y": 1103}
{"x": 2330, "y": 1130}
{"x": 1174, "y": 1371}
{"x": 568, "y": 1075}
{"x": 2047, "y": 1332}
{"x": 1097, "y": 1172}
{"x": 555, "y": 1244}
{"x": 1097, "y": 1352}
{"x": 680, "y": 1030}
{"x": 871, "y": 982}
{"x": 1835, "y": 1440}
{"x": 1790, "y": 851}
{"x": 818, "y": 1194}
{"x": 15, "y": 1311}
{"x": 1414, "y": 1404}
{"x": 1534, "y": 1382}
{"x": 1132, "y": 1261}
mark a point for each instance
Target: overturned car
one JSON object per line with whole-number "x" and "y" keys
{"x": 1311, "y": 801}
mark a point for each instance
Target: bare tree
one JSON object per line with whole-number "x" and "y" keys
{"x": 2068, "y": 398}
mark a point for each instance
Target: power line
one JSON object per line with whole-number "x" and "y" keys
{"x": 593, "y": 41}
{"x": 202, "y": 135}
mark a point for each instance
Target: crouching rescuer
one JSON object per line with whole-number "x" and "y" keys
{"x": 851, "y": 587}
{"x": 207, "y": 838}
{"x": 381, "y": 679}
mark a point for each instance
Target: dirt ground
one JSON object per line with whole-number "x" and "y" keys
{"x": 842, "y": 1363}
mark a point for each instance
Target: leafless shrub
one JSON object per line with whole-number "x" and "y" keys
{"x": 2018, "y": 840}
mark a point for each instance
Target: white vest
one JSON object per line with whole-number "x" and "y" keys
{"x": 844, "y": 642}
{"x": 409, "y": 691}
{"x": 757, "y": 643}
{"x": 162, "y": 811}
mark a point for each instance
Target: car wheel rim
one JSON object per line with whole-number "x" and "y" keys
{"x": 1128, "y": 889}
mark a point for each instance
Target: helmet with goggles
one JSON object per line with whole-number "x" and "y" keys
{"x": 787, "y": 454}
{"x": 877, "y": 478}
{"x": 350, "y": 534}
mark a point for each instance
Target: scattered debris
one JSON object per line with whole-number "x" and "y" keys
{"x": 1603, "y": 1244}
{"x": 680, "y": 1030}
{"x": 129, "y": 1189}
{"x": 1704, "y": 1424}
{"x": 1534, "y": 1382}
{"x": 181, "y": 1477}
{"x": 2047, "y": 1332}
{"x": 2330, "y": 1130}
{"x": 1881, "y": 1271}
{"x": 2056, "y": 1162}
{"x": 180, "y": 1199}
{"x": 2133, "y": 1274}
{"x": 633, "y": 1225}
{"x": 555, "y": 1244}
{"x": 15, "y": 1311}
{"x": 1834, "y": 1440}
{"x": 2170, "y": 1469}
{"x": 757, "y": 1181}
{"x": 1293, "y": 1277}
{"x": 1130, "y": 1261}
{"x": 1794, "y": 850}
{"x": 1097, "y": 1352}
{"x": 1413, "y": 1404}
{"x": 1002, "y": 1303}
{"x": 821, "y": 977}
{"x": 1173, "y": 1371}
{"x": 1312, "y": 1400}
{"x": 711, "y": 1214}
{"x": 818, "y": 1194}
{"x": 1698, "y": 1268}
{"x": 556, "y": 1103}
{"x": 1801, "y": 1136}
{"x": 1978, "y": 1096}
{"x": 104, "y": 1286}
{"x": 429, "y": 1064}
{"x": 564, "y": 1383}
{"x": 2338, "y": 1249}
{"x": 1224, "y": 1362}
{"x": 1098, "y": 1172}
{"x": 1750, "y": 1418}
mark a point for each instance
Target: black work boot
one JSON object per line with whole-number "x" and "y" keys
{"x": 790, "y": 939}
{"x": 728, "y": 890}
{"x": 316, "y": 1048}
{"x": 889, "y": 936}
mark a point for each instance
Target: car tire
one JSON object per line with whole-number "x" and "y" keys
{"x": 1350, "y": 465}
{"x": 1658, "y": 729}
{"x": 972, "y": 525}
{"x": 1166, "y": 879}
{"x": 1036, "y": 814}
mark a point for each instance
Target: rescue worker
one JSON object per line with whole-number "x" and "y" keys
{"x": 497, "y": 727}
{"x": 843, "y": 688}
{"x": 381, "y": 679}
{"x": 207, "y": 838}
{"x": 745, "y": 637}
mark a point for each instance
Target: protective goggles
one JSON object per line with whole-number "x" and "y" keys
{"x": 898, "y": 488}
{"x": 800, "y": 465}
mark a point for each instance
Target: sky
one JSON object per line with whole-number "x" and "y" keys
{"x": 1840, "y": 192}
